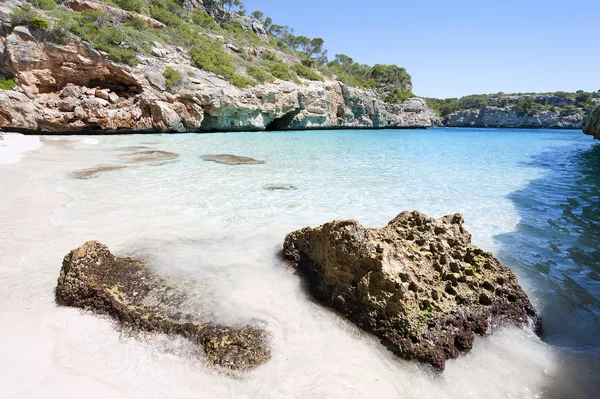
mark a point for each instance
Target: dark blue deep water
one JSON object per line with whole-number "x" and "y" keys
{"x": 556, "y": 246}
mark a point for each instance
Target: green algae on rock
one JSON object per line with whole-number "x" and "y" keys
{"x": 417, "y": 284}
{"x": 124, "y": 288}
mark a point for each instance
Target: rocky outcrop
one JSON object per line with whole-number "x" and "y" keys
{"x": 92, "y": 278}
{"x": 417, "y": 284}
{"x": 70, "y": 88}
{"x": 591, "y": 124}
{"x": 500, "y": 117}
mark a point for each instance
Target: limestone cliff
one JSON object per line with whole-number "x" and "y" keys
{"x": 591, "y": 124}
{"x": 500, "y": 117}
{"x": 68, "y": 86}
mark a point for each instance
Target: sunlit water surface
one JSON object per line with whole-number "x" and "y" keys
{"x": 529, "y": 196}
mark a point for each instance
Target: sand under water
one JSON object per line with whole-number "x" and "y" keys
{"x": 217, "y": 226}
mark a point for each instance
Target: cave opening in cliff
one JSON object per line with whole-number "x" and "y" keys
{"x": 283, "y": 122}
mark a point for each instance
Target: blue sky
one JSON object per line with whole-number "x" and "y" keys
{"x": 455, "y": 48}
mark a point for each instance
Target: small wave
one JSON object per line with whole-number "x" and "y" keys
{"x": 14, "y": 145}
{"x": 90, "y": 141}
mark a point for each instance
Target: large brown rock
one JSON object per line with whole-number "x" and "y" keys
{"x": 418, "y": 284}
{"x": 124, "y": 288}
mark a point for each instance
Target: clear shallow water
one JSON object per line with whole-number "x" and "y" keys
{"x": 216, "y": 225}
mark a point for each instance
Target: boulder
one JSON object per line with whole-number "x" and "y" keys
{"x": 93, "y": 278}
{"x": 418, "y": 284}
{"x": 103, "y": 94}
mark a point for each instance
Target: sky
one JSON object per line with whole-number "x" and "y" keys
{"x": 456, "y": 48}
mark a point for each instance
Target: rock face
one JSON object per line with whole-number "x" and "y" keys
{"x": 124, "y": 288}
{"x": 70, "y": 88}
{"x": 505, "y": 117}
{"x": 417, "y": 284}
{"x": 591, "y": 124}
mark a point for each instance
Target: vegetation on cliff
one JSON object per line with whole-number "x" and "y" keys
{"x": 217, "y": 35}
{"x": 7, "y": 83}
{"x": 524, "y": 103}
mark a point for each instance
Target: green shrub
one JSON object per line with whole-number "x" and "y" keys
{"x": 58, "y": 35}
{"x": 204, "y": 20}
{"x": 397, "y": 96}
{"x": 44, "y": 4}
{"x": 131, "y": 5}
{"x": 23, "y": 15}
{"x": 165, "y": 16}
{"x": 138, "y": 24}
{"x": 28, "y": 16}
{"x": 173, "y": 77}
{"x": 267, "y": 55}
{"x": 209, "y": 55}
{"x": 241, "y": 35}
{"x": 260, "y": 74}
{"x": 121, "y": 43}
{"x": 124, "y": 56}
{"x": 39, "y": 23}
{"x": 281, "y": 71}
{"x": 242, "y": 81}
{"x": 7, "y": 83}
{"x": 306, "y": 73}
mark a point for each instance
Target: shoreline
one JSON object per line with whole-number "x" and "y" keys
{"x": 14, "y": 146}
{"x": 133, "y": 132}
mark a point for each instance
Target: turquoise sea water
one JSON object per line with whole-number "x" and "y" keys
{"x": 531, "y": 196}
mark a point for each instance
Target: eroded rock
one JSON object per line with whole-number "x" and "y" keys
{"x": 418, "y": 284}
{"x": 92, "y": 173}
{"x": 93, "y": 278}
{"x": 229, "y": 159}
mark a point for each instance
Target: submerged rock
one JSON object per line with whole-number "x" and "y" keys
{"x": 154, "y": 157}
{"x": 133, "y": 148}
{"x": 229, "y": 159}
{"x": 92, "y": 173}
{"x": 277, "y": 187}
{"x": 124, "y": 288}
{"x": 417, "y": 284}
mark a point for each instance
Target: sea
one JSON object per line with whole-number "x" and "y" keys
{"x": 532, "y": 197}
